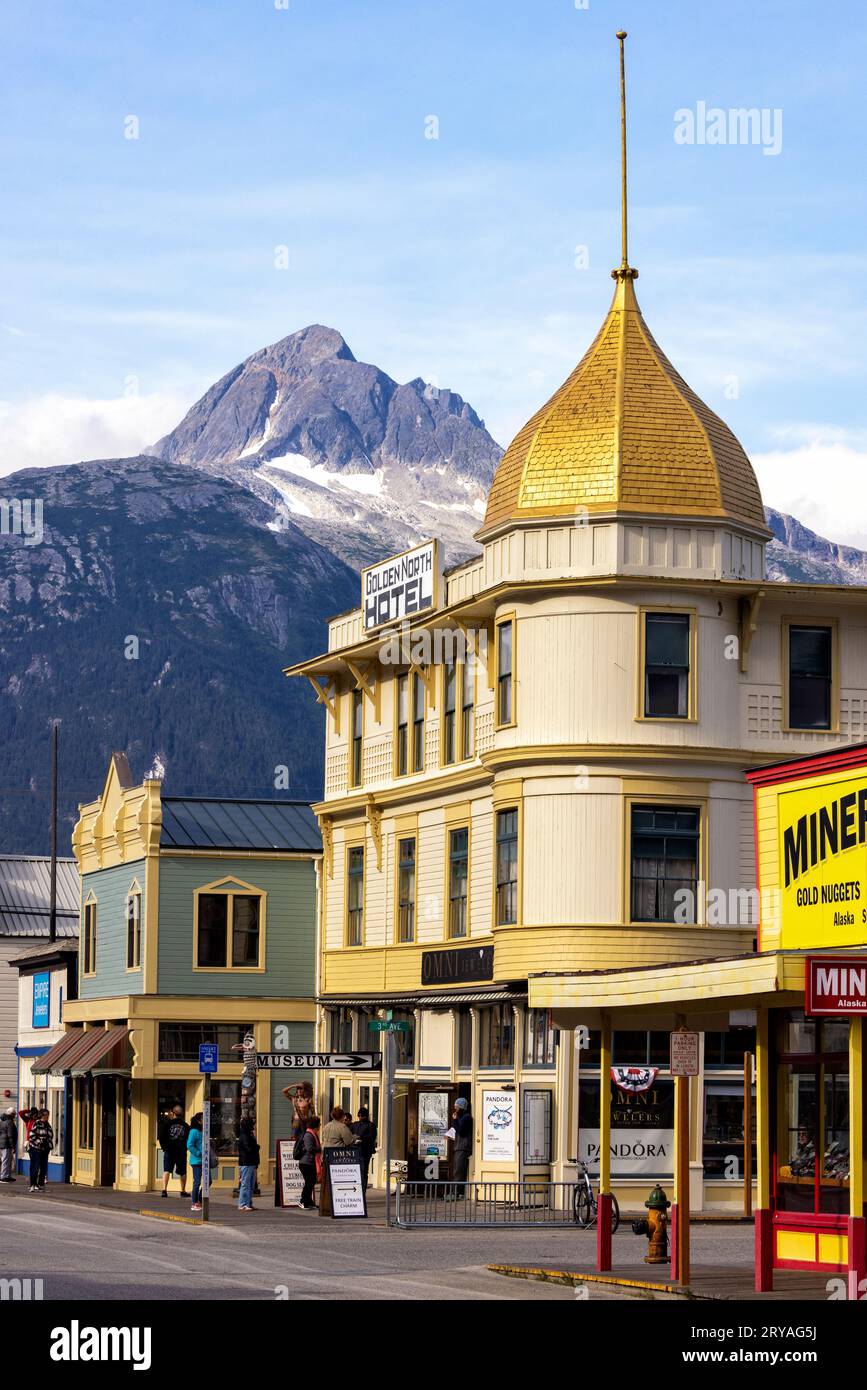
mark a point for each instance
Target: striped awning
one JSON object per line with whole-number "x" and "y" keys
{"x": 107, "y": 1051}
{"x": 422, "y": 1001}
{"x": 54, "y": 1059}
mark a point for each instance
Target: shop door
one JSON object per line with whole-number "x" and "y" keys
{"x": 429, "y": 1114}
{"x": 108, "y": 1131}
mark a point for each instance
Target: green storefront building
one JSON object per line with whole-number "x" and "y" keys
{"x": 198, "y": 924}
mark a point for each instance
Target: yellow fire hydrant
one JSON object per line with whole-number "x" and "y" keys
{"x": 655, "y": 1227}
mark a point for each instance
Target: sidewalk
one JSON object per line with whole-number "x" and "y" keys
{"x": 223, "y": 1206}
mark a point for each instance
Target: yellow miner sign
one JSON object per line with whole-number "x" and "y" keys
{"x": 812, "y": 853}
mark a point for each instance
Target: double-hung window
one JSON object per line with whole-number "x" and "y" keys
{"x": 665, "y": 843}
{"x": 507, "y": 867}
{"x": 133, "y": 930}
{"x": 355, "y": 896}
{"x": 810, "y": 676}
{"x": 505, "y": 672}
{"x": 468, "y": 707}
{"x": 88, "y": 950}
{"x": 459, "y": 873}
{"x": 418, "y": 697}
{"x": 357, "y": 736}
{"x": 228, "y": 931}
{"x": 402, "y": 697}
{"x": 406, "y": 890}
{"x": 450, "y": 696}
{"x": 667, "y": 642}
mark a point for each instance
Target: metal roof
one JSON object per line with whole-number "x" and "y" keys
{"x": 25, "y": 895}
{"x": 203, "y": 822}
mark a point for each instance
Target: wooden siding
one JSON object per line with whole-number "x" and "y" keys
{"x": 111, "y": 887}
{"x": 290, "y": 930}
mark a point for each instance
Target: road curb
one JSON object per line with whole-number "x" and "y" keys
{"x": 640, "y": 1287}
{"x": 170, "y": 1216}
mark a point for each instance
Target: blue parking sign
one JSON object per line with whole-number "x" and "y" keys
{"x": 207, "y": 1057}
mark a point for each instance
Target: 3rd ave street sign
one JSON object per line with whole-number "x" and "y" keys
{"x": 318, "y": 1061}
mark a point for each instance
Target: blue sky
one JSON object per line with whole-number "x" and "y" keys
{"x": 133, "y": 273}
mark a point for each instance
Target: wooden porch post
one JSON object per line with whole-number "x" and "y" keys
{"x": 603, "y": 1218}
{"x": 763, "y": 1227}
{"x": 857, "y": 1258}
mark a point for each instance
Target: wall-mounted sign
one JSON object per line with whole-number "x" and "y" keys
{"x": 400, "y": 587}
{"x": 455, "y": 967}
{"x": 822, "y": 828}
{"x": 289, "y": 1178}
{"x": 318, "y": 1061}
{"x": 42, "y": 999}
{"x": 642, "y": 1128}
{"x": 498, "y": 1126}
{"x": 535, "y": 1128}
{"x": 835, "y": 985}
{"x": 344, "y": 1180}
{"x": 683, "y": 1051}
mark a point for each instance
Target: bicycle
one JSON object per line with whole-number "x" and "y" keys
{"x": 585, "y": 1205}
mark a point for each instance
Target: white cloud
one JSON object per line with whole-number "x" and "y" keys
{"x": 822, "y": 481}
{"x": 53, "y": 429}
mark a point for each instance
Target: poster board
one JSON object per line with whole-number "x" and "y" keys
{"x": 433, "y": 1121}
{"x": 288, "y": 1179}
{"x": 348, "y": 1197}
{"x": 498, "y": 1126}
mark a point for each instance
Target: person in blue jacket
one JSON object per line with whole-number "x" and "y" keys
{"x": 194, "y": 1154}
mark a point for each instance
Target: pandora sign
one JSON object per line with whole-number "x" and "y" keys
{"x": 835, "y": 985}
{"x": 400, "y": 587}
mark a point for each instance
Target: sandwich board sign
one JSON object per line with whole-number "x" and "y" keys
{"x": 289, "y": 1179}
{"x": 348, "y": 1198}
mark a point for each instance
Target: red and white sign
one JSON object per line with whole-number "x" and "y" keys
{"x": 684, "y": 1053}
{"x": 835, "y": 985}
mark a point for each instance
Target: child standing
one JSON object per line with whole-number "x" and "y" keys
{"x": 194, "y": 1154}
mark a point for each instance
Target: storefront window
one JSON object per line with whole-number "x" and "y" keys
{"x": 85, "y": 1112}
{"x": 58, "y": 1121}
{"x": 465, "y": 1038}
{"x": 727, "y": 1049}
{"x": 497, "y": 1036}
{"x": 180, "y": 1042}
{"x": 640, "y": 1048}
{"x": 539, "y": 1039}
{"x": 340, "y": 1030}
{"x": 225, "y": 1116}
{"x": 723, "y": 1147}
{"x": 404, "y": 1043}
{"x": 126, "y": 1115}
{"x": 812, "y": 1119}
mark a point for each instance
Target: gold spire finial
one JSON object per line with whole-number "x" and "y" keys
{"x": 625, "y": 271}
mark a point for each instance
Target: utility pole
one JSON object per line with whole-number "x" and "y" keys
{"x": 52, "y": 918}
{"x": 389, "y": 1101}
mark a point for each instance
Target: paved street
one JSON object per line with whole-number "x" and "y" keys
{"x": 82, "y": 1252}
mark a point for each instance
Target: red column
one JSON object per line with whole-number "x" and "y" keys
{"x": 857, "y": 1231}
{"x": 764, "y": 1251}
{"x": 603, "y": 1232}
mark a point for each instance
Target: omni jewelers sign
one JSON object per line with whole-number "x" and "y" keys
{"x": 835, "y": 985}
{"x": 400, "y": 587}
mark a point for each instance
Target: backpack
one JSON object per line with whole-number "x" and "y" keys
{"x": 298, "y": 1148}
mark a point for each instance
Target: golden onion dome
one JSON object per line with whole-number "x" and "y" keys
{"x": 624, "y": 435}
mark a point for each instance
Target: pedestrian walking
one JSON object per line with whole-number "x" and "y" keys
{"x": 365, "y": 1132}
{"x": 462, "y": 1144}
{"x": 248, "y": 1162}
{"x": 173, "y": 1142}
{"x": 194, "y": 1155}
{"x": 8, "y": 1144}
{"x": 310, "y": 1150}
{"x": 41, "y": 1144}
